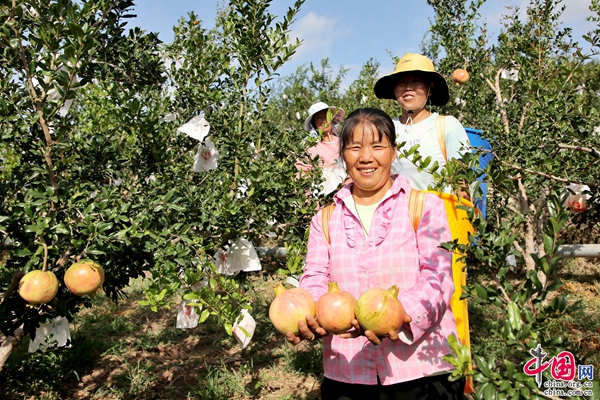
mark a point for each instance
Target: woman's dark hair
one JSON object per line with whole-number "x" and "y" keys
{"x": 371, "y": 116}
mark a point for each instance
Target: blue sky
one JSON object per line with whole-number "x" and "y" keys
{"x": 346, "y": 33}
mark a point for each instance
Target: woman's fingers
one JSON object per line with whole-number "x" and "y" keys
{"x": 373, "y": 338}
{"x": 314, "y": 327}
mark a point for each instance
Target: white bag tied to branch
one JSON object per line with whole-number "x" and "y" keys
{"x": 578, "y": 197}
{"x": 241, "y": 256}
{"x": 196, "y": 127}
{"x": 187, "y": 316}
{"x": 244, "y": 330}
{"x": 52, "y": 333}
{"x": 222, "y": 262}
{"x": 206, "y": 158}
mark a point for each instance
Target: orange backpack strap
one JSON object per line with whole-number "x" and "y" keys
{"x": 416, "y": 203}
{"x": 440, "y": 127}
{"x": 325, "y": 217}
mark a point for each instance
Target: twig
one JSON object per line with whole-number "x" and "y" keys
{"x": 550, "y": 176}
{"x": 45, "y": 253}
{"x": 559, "y": 146}
{"x": 499, "y": 286}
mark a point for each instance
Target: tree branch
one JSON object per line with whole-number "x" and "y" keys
{"x": 549, "y": 176}
{"x": 9, "y": 344}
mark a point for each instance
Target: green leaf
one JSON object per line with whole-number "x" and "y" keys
{"x": 514, "y": 316}
{"x": 203, "y": 316}
{"x": 482, "y": 365}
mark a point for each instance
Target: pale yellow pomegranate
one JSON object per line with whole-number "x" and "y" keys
{"x": 289, "y": 307}
{"x": 84, "y": 278}
{"x": 38, "y": 287}
{"x": 379, "y": 310}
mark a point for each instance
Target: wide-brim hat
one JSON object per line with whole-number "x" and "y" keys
{"x": 315, "y": 108}
{"x": 410, "y": 62}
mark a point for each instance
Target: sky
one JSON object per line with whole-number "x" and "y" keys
{"x": 347, "y": 34}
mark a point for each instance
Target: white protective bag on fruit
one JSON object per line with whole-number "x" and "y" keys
{"x": 206, "y": 158}
{"x": 196, "y": 128}
{"x": 54, "y": 333}
{"x": 243, "y": 336}
{"x": 187, "y": 316}
{"x": 243, "y": 256}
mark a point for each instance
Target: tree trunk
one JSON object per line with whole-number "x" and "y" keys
{"x": 9, "y": 344}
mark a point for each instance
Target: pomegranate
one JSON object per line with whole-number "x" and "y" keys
{"x": 289, "y": 307}
{"x": 460, "y": 76}
{"x": 379, "y": 310}
{"x": 84, "y": 277}
{"x": 335, "y": 310}
{"x": 38, "y": 287}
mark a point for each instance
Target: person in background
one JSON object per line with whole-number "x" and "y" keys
{"x": 416, "y": 86}
{"x": 327, "y": 147}
{"x": 373, "y": 244}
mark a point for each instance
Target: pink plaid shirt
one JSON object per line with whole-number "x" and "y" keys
{"x": 391, "y": 254}
{"x": 328, "y": 152}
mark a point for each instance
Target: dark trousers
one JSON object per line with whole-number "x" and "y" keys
{"x": 436, "y": 387}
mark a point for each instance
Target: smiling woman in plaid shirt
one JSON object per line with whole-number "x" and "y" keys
{"x": 373, "y": 244}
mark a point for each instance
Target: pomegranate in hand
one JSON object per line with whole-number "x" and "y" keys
{"x": 335, "y": 310}
{"x": 289, "y": 307}
{"x": 379, "y": 310}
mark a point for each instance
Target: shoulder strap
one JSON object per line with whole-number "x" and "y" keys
{"x": 416, "y": 203}
{"x": 325, "y": 217}
{"x": 440, "y": 127}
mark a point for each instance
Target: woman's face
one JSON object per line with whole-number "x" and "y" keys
{"x": 319, "y": 121}
{"x": 411, "y": 91}
{"x": 369, "y": 161}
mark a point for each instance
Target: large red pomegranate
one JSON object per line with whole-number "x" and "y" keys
{"x": 84, "y": 278}
{"x": 335, "y": 310}
{"x": 38, "y": 287}
{"x": 379, "y": 310}
{"x": 289, "y": 307}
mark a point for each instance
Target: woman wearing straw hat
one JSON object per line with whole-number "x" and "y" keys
{"x": 416, "y": 85}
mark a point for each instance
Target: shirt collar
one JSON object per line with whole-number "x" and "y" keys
{"x": 400, "y": 184}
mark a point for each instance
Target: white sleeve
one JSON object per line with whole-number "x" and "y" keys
{"x": 457, "y": 141}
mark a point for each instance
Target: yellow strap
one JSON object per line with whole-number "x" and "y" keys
{"x": 416, "y": 203}
{"x": 325, "y": 217}
{"x": 440, "y": 127}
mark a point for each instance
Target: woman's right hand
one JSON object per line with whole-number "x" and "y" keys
{"x": 309, "y": 330}
{"x": 372, "y": 337}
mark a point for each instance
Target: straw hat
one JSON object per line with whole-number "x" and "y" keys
{"x": 410, "y": 62}
{"x": 315, "y": 108}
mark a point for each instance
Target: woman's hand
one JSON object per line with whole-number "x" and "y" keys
{"x": 373, "y": 338}
{"x": 309, "y": 330}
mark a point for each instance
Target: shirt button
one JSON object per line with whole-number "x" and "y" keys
{"x": 418, "y": 319}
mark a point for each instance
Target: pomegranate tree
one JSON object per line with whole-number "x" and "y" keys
{"x": 335, "y": 310}
{"x": 379, "y": 310}
{"x": 289, "y": 307}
